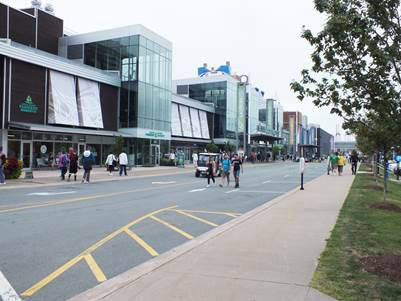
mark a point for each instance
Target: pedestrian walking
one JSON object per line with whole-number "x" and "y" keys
{"x": 73, "y": 158}
{"x": 226, "y": 171}
{"x": 237, "y": 163}
{"x": 3, "y": 160}
{"x": 334, "y": 163}
{"x": 123, "y": 160}
{"x": 354, "y": 162}
{"x": 195, "y": 159}
{"x": 87, "y": 162}
{"x": 329, "y": 168}
{"x": 63, "y": 164}
{"x": 341, "y": 164}
{"x": 110, "y": 163}
{"x": 210, "y": 171}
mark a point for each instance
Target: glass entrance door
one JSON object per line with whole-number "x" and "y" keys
{"x": 155, "y": 155}
{"x": 81, "y": 149}
{"x": 26, "y": 154}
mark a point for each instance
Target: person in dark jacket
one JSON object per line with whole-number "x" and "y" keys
{"x": 63, "y": 162}
{"x": 87, "y": 162}
{"x": 72, "y": 155}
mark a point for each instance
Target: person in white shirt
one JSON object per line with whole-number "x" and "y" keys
{"x": 123, "y": 160}
{"x": 195, "y": 159}
{"x": 110, "y": 162}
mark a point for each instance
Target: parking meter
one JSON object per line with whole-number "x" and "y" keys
{"x": 301, "y": 170}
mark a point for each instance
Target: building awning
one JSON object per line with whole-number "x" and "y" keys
{"x": 180, "y": 139}
{"x": 308, "y": 146}
{"x": 265, "y": 137}
{"x": 64, "y": 130}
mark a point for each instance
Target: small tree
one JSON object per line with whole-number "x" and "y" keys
{"x": 212, "y": 148}
{"x": 276, "y": 151}
{"x": 229, "y": 148}
{"x": 119, "y": 146}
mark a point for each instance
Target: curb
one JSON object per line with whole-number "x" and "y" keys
{"x": 120, "y": 281}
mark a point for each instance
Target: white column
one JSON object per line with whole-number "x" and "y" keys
{"x": 4, "y": 140}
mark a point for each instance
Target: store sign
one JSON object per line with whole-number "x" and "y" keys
{"x": 155, "y": 134}
{"x": 28, "y": 106}
{"x": 43, "y": 149}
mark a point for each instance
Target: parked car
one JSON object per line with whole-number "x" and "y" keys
{"x": 201, "y": 169}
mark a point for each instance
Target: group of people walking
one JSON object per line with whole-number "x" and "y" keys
{"x": 337, "y": 161}
{"x": 70, "y": 163}
{"x": 227, "y": 164}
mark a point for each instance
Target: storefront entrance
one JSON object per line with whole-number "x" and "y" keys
{"x": 155, "y": 155}
{"x": 26, "y": 153}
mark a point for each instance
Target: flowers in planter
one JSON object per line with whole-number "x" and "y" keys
{"x": 13, "y": 168}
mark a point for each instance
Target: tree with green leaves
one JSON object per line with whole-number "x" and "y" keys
{"x": 212, "y": 148}
{"x": 357, "y": 68}
{"x": 229, "y": 148}
{"x": 276, "y": 151}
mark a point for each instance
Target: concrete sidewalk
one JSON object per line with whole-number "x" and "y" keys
{"x": 269, "y": 253}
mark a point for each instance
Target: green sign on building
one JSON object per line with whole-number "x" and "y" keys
{"x": 155, "y": 134}
{"x": 28, "y": 106}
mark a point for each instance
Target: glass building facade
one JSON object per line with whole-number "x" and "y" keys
{"x": 224, "y": 96}
{"x": 145, "y": 69}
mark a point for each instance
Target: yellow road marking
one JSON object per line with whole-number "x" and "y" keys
{"x": 92, "y": 197}
{"x": 51, "y": 277}
{"x": 197, "y": 218}
{"x": 172, "y": 227}
{"x": 29, "y": 292}
{"x": 100, "y": 277}
{"x": 232, "y": 214}
{"x": 143, "y": 244}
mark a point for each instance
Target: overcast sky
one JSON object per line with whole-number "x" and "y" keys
{"x": 260, "y": 38}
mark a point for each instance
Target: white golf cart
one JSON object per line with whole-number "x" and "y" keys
{"x": 201, "y": 168}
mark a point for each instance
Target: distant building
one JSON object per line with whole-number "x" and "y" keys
{"x": 345, "y": 146}
{"x": 325, "y": 142}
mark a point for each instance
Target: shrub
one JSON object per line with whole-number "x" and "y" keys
{"x": 167, "y": 162}
{"x": 13, "y": 168}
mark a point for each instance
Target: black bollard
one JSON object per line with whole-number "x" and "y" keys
{"x": 302, "y": 181}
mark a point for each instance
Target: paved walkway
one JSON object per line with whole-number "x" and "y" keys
{"x": 269, "y": 253}
{"x": 98, "y": 174}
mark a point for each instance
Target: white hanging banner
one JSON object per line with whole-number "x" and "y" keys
{"x": 186, "y": 121}
{"x": 62, "y": 99}
{"x": 196, "y": 127}
{"x": 89, "y": 107}
{"x": 204, "y": 125}
{"x": 175, "y": 121}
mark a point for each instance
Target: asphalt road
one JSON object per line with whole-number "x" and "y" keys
{"x": 56, "y": 242}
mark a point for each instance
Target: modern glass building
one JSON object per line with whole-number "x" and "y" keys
{"x": 221, "y": 91}
{"x": 143, "y": 60}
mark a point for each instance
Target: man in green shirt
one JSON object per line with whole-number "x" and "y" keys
{"x": 334, "y": 162}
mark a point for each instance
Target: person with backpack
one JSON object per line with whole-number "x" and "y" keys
{"x": 210, "y": 171}
{"x": 87, "y": 162}
{"x": 237, "y": 163}
{"x": 72, "y": 155}
{"x": 110, "y": 163}
{"x": 341, "y": 163}
{"x": 226, "y": 171}
{"x": 63, "y": 164}
{"x": 354, "y": 162}
{"x": 2, "y": 164}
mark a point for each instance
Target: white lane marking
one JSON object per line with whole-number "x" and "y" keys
{"x": 51, "y": 193}
{"x": 231, "y": 191}
{"x": 198, "y": 190}
{"x": 267, "y": 182}
{"x": 7, "y": 293}
{"x": 286, "y": 176}
{"x": 254, "y": 191}
{"x": 163, "y": 183}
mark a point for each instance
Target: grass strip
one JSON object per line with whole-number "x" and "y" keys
{"x": 361, "y": 231}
